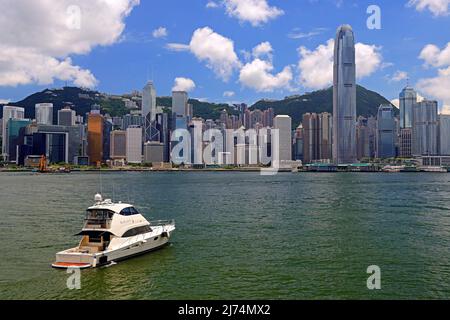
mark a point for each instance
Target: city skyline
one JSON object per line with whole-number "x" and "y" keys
{"x": 273, "y": 48}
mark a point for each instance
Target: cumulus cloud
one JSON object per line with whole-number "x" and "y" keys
{"x": 263, "y": 49}
{"x": 437, "y": 87}
{"x": 212, "y": 48}
{"x": 399, "y": 76}
{"x": 229, "y": 94}
{"x": 316, "y": 66}
{"x": 52, "y": 31}
{"x": 437, "y": 7}
{"x": 183, "y": 84}
{"x": 161, "y": 32}
{"x": 434, "y": 56}
{"x": 258, "y": 75}
{"x": 256, "y": 12}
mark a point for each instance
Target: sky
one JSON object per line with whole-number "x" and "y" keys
{"x": 222, "y": 50}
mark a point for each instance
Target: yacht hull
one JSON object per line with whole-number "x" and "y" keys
{"x": 128, "y": 248}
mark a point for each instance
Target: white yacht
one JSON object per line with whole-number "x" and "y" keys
{"x": 114, "y": 232}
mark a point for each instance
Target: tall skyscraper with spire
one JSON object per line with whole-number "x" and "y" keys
{"x": 344, "y": 97}
{"x": 149, "y": 110}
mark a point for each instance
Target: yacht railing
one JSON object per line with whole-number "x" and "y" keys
{"x": 158, "y": 223}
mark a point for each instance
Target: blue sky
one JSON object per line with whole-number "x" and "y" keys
{"x": 134, "y": 55}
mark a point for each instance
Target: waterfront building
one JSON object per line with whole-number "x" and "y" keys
{"x": 9, "y": 112}
{"x": 325, "y": 136}
{"x": 405, "y": 143}
{"x": 107, "y": 129}
{"x": 284, "y": 124}
{"x": 134, "y": 145}
{"x": 311, "y": 148}
{"x": 444, "y": 135}
{"x": 362, "y": 139}
{"x": 153, "y": 152}
{"x": 344, "y": 97}
{"x": 44, "y": 113}
{"x": 118, "y": 145}
{"x": 299, "y": 143}
{"x": 66, "y": 117}
{"x": 15, "y": 139}
{"x": 95, "y": 137}
{"x": 425, "y": 128}
{"x": 385, "y": 132}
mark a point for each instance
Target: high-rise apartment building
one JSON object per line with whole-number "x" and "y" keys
{"x": 444, "y": 135}
{"x": 425, "y": 128}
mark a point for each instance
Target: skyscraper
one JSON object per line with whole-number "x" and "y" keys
{"x": 179, "y": 103}
{"x": 95, "y": 137}
{"x": 148, "y": 109}
{"x": 44, "y": 113}
{"x": 344, "y": 97}
{"x": 66, "y": 117}
{"x": 9, "y": 112}
{"x": 408, "y": 97}
{"x": 385, "y": 132}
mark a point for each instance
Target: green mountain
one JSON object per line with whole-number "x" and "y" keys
{"x": 367, "y": 103}
{"x": 81, "y": 101}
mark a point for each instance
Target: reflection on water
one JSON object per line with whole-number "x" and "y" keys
{"x": 239, "y": 235}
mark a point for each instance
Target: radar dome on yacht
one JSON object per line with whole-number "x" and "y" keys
{"x": 98, "y": 197}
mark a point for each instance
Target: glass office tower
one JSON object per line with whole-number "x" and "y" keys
{"x": 344, "y": 97}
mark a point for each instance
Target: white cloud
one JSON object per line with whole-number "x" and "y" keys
{"x": 316, "y": 66}
{"x": 396, "y": 103}
{"x": 161, "y": 32}
{"x": 399, "y": 76}
{"x": 298, "y": 34}
{"x": 211, "y": 4}
{"x": 437, "y": 87}
{"x": 52, "y": 31}
{"x": 216, "y": 50}
{"x": 4, "y": 101}
{"x": 183, "y": 84}
{"x": 263, "y": 49}
{"x": 257, "y": 75}
{"x": 256, "y": 12}
{"x": 437, "y": 7}
{"x": 433, "y": 56}
{"x": 229, "y": 94}
{"x": 177, "y": 47}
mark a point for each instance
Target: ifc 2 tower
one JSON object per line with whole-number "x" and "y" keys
{"x": 344, "y": 97}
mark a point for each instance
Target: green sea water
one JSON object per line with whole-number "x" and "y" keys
{"x": 239, "y": 235}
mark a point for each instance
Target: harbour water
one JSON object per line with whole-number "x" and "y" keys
{"x": 239, "y": 235}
